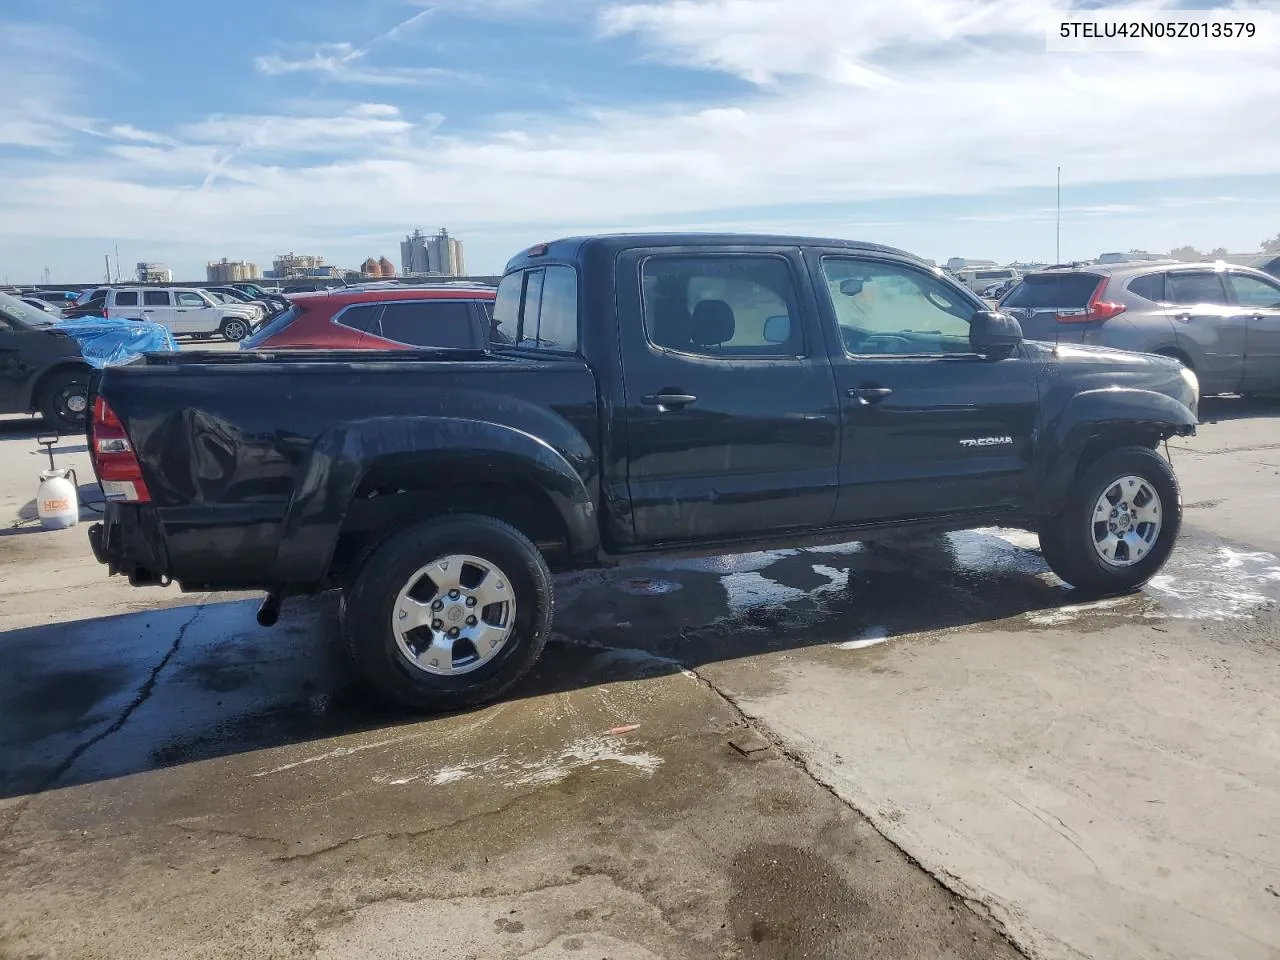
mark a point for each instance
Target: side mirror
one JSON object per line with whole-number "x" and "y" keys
{"x": 777, "y": 330}
{"x": 994, "y": 334}
{"x": 852, "y": 287}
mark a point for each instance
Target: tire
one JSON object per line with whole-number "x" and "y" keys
{"x": 234, "y": 329}
{"x": 380, "y": 653}
{"x": 64, "y": 401}
{"x": 1067, "y": 540}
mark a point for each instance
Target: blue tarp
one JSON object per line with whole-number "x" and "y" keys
{"x": 104, "y": 341}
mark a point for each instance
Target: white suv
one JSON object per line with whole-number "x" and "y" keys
{"x": 186, "y": 311}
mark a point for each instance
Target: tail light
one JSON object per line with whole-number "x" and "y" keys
{"x": 1095, "y": 310}
{"x": 113, "y": 458}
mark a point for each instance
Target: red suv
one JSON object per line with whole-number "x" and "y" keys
{"x": 381, "y": 318}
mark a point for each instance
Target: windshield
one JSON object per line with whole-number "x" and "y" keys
{"x": 15, "y": 309}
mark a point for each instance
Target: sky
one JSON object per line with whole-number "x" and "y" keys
{"x": 183, "y": 133}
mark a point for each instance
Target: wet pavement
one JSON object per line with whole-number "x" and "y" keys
{"x": 707, "y": 763}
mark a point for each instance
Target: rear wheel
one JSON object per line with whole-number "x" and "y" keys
{"x": 448, "y": 613}
{"x": 64, "y": 401}
{"x": 1118, "y": 525}
{"x": 234, "y": 329}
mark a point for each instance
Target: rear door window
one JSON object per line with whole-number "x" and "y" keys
{"x": 430, "y": 323}
{"x": 1148, "y": 287}
{"x": 1192, "y": 287}
{"x": 155, "y": 298}
{"x": 1053, "y": 291}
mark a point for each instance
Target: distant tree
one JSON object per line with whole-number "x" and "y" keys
{"x": 1217, "y": 253}
{"x": 1186, "y": 253}
{"x": 1272, "y": 245}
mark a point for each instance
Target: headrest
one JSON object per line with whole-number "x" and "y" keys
{"x": 713, "y": 323}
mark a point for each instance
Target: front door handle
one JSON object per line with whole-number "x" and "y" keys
{"x": 869, "y": 393}
{"x": 668, "y": 401}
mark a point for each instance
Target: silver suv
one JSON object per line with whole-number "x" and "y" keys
{"x": 1221, "y": 321}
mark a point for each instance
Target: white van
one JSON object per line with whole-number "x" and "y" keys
{"x": 186, "y": 311}
{"x": 978, "y": 279}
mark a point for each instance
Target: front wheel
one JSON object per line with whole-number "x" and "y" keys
{"x": 449, "y": 613}
{"x": 1118, "y": 525}
{"x": 64, "y": 402}
{"x": 234, "y": 330}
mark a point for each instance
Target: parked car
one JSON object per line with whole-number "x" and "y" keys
{"x": 271, "y": 298}
{"x": 257, "y": 310}
{"x": 43, "y": 306}
{"x": 1221, "y": 321}
{"x": 680, "y": 392}
{"x": 185, "y": 311}
{"x": 1268, "y": 264}
{"x": 256, "y": 291}
{"x": 269, "y": 305}
{"x": 90, "y": 303}
{"x": 994, "y": 291}
{"x": 41, "y": 367}
{"x": 979, "y": 278}
{"x": 388, "y": 318}
{"x": 58, "y": 298}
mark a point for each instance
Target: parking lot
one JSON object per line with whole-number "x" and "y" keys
{"x": 929, "y": 750}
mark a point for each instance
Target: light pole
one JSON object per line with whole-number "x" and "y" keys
{"x": 1057, "y": 246}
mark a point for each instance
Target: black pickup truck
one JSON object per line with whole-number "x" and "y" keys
{"x": 646, "y": 394}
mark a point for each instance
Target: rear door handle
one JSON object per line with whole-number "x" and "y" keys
{"x": 668, "y": 400}
{"x": 869, "y": 394}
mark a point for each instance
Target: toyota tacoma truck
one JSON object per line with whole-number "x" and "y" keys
{"x": 643, "y": 394}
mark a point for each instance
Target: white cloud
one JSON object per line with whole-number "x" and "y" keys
{"x": 344, "y": 63}
{"x": 125, "y": 131}
{"x": 852, "y": 101}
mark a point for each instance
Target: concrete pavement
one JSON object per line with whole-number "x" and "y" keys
{"x": 1098, "y": 780}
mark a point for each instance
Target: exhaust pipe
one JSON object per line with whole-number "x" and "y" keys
{"x": 269, "y": 612}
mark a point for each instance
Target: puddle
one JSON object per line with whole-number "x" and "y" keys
{"x": 996, "y": 550}
{"x": 745, "y": 591}
{"x": 646, "y": 587}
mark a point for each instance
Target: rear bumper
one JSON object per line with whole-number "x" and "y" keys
{"x": 130, "y": 543}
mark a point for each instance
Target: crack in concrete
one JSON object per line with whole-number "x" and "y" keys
{"x": 145, "y": 691}
{"x": 139, "y": 699}
{"x": 954, "y": 886}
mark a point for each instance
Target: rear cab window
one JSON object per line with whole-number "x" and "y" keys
{"x": 537, "y": 308}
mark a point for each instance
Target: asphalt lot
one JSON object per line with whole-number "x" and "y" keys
{"x": 846, "y": 752}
